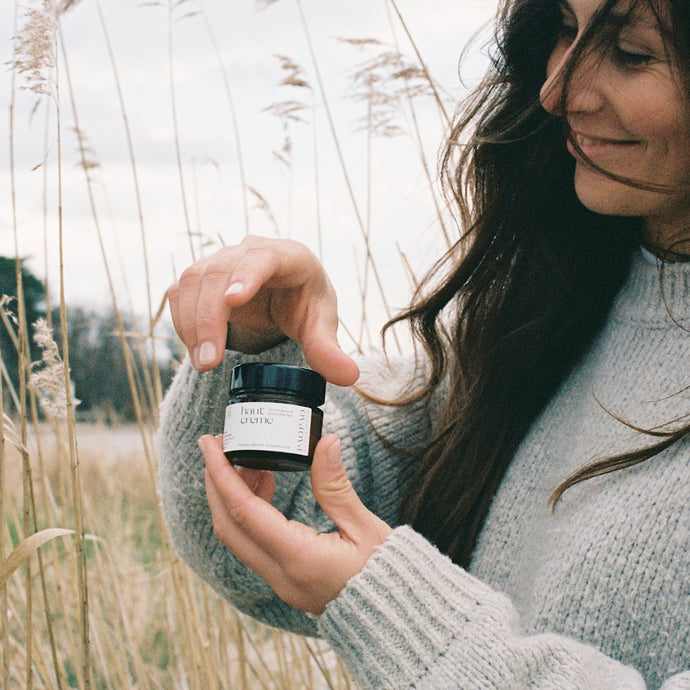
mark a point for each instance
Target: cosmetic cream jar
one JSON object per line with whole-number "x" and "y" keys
{"x": 273, "y": 418}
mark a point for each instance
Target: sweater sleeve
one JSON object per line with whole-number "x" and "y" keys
{"x": 372, "y": 437}
{"x": 412, "y": 618}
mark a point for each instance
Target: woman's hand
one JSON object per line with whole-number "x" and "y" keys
{"x": 305, "y": 569}
{"x": 267, "y": 290}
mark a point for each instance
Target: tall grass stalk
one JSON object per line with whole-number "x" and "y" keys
{"x": 87, "y": 167}
{"x": 82, "y": 572}
{"x": 4, "y": 607}
{"x": 415, "y": 121}
{"x": 155, "y": 378}
{"x": 367, "y": 89}
{"x": 317, "y": 179}
{"x": 289, "y": 113}
{"x": 413, "y": 43}
{"x": 21, "y": 350}
{"x": 172, "y": 4}
{"x": 341, "y": 160}
{"x": 233, "y": 115}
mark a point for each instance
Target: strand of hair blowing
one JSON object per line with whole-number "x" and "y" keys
{"x": 531, "y": 285}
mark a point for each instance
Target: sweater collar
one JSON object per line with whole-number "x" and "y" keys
{"x": 656, "y": 292}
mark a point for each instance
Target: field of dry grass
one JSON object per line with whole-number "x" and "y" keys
{"x": 152, "y": 624}
{"x": 92, "y": 595}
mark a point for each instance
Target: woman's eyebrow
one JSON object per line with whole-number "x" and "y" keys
{"x": 619, "y": 17}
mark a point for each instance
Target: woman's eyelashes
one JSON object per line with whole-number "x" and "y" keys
{"x": 623, "y": 53}
{"x": 628, "y": 57}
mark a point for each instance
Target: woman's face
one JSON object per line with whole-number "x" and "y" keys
{"x": 627, "y": 112}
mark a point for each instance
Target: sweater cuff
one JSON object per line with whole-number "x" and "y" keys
{"x": 395, "y": 618}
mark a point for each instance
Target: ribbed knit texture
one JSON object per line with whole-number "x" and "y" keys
{"x": 593, "y": 595}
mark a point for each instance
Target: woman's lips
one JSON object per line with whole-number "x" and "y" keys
{"x": 595, "y": 147}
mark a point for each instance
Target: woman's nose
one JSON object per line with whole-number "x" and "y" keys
{"x": 583, "y": 93}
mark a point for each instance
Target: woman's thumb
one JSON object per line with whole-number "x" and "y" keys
{"x": 334, "y": 492}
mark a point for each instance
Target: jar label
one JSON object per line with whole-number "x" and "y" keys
{"x": 270, "y": 426}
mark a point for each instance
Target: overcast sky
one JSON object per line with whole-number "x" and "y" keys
{"x": 391, "y": 195}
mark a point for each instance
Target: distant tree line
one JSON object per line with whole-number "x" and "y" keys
{"x": 98, "y": 369}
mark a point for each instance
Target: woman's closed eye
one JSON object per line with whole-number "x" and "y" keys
{"x": 630, "y": 57}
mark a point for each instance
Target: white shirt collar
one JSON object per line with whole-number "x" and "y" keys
{"x": 651, "y": 258}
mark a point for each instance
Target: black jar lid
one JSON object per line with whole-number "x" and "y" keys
{"x": 261, "y": 377}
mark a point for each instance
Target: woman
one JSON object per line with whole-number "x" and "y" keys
{"x": 519, "y": 518}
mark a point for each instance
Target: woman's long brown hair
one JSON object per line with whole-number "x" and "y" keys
{"x": 525, "y": 290}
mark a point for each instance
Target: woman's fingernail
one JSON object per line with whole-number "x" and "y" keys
{"x": 206, "y": 442}
{"x": 234, "y": 289}
{"x": 207, "y": 353}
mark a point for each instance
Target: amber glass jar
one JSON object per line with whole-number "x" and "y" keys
{"x": 273, "y": 420}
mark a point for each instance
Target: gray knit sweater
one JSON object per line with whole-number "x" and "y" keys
{"x": 595, "y": 595}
